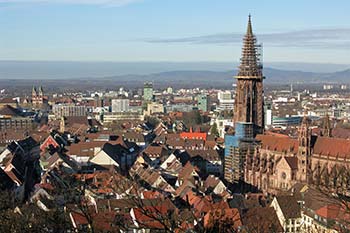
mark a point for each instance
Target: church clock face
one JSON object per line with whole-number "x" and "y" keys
{"x": 284, "y": 175}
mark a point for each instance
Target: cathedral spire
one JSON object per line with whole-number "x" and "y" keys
{"x": 249, "y": 100}
{"x": 249, "y": 26}
{"x": 250, "y": 61}
{"x": 34, "y": 92}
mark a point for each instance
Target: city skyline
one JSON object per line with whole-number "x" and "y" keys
{"x": 168, "y": 116}
{"x": 154, "y": 30}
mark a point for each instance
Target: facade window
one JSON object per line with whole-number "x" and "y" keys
{"x": 283, "y": 175}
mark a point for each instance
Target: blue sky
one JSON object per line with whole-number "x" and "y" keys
{"x": 173, "y": 30}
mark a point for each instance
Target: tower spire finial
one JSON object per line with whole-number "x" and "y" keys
{"x": 249, "y": 27}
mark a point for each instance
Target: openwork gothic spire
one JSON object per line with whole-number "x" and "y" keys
{"x": 250, "y": 62}
{"x": 249, "y": 100}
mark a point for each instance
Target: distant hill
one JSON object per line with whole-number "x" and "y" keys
{"x": 176, "y": 79}
{"x": 215, "y": 78}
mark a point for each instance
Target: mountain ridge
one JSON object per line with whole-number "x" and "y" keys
{"x": 273, "y": 76}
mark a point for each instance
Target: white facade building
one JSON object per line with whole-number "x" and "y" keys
{"x": 120, "y": 105}
{"x": 226, "y": 100}
{"x": 66, "y": 110}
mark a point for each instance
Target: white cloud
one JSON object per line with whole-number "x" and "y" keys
{"x": 74, "y": 2}
{"x": 333, "y": 38}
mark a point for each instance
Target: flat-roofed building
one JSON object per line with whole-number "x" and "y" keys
{"x": 120, "y": 105}
{"x": 64, "y": 110}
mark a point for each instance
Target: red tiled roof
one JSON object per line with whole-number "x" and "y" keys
{"x": 261, "y": 219}
{"x": 329, "y": 211}
{"x": 8, "y": 110}
{"x": 210, "y": 155}
{"x": 338, "y": 212}
{"x": 151, "y": 216}
{"x": 211, "y": 181}
{"x": 334, "y": 147}
{"x": 155, "y": 151}
{"x": 186, "y": 172}
{"x": 79, "y": 219}
{"x": 223, "y": 216}
{"x": 278, "y": 143}
{"x": 193, "y": 135}
{"x": 152, "y": 194}
{"x": 276, "y": 134}
{"x": 87, "y": 148}
{"x": 8, "y": 101}
{"x": 341, "y": 133}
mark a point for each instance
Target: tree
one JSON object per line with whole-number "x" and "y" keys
{"x": 152, "y": 121}
{"x": 214, "y": 130}
{"x": 16, "y": 217}
{"x": 192, "y": 118}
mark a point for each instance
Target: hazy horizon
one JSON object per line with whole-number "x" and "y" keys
{"x": 91, "y": 69}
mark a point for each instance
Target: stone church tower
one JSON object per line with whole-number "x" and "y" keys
{"x": 304, "y": 151}
{"x": 38, "y": 97}
{"x": 249, "y": 101}
{"x": 326, "y": 128}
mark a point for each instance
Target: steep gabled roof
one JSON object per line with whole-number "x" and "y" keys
{"x": 8, "y": 110}
{"x": 155, "y": 151}
{"x": 8, "y": 101}
{"x": 187, "y": 171}
{"x": 227, "y": 216}
{"x": 262, "y": 219}
{"x": 334, "y": 147}
{"x": 292, "y": 162}
{"x": 338, "y": 212}
{"x": 289, "y": 206}
{"x": 277, "y": 143}
{"x": 210, "y": 155}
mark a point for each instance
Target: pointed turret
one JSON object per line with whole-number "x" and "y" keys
{"x": 41, "y": 92}
{"x": 34, "y": 92}
{"x": 249, "y": 26}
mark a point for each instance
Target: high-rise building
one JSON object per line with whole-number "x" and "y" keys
{"x": 148, "y": 91}
{"x": 203, "y": 103}
{"x": 249, "y": 101}
{"x": 268, "y": 113}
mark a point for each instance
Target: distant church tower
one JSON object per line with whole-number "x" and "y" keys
{"x": 249, "y": 102}
{"x": 37, "y": 96}
{"x": 41, "y": 92}
{"x": 34, "y": 92}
